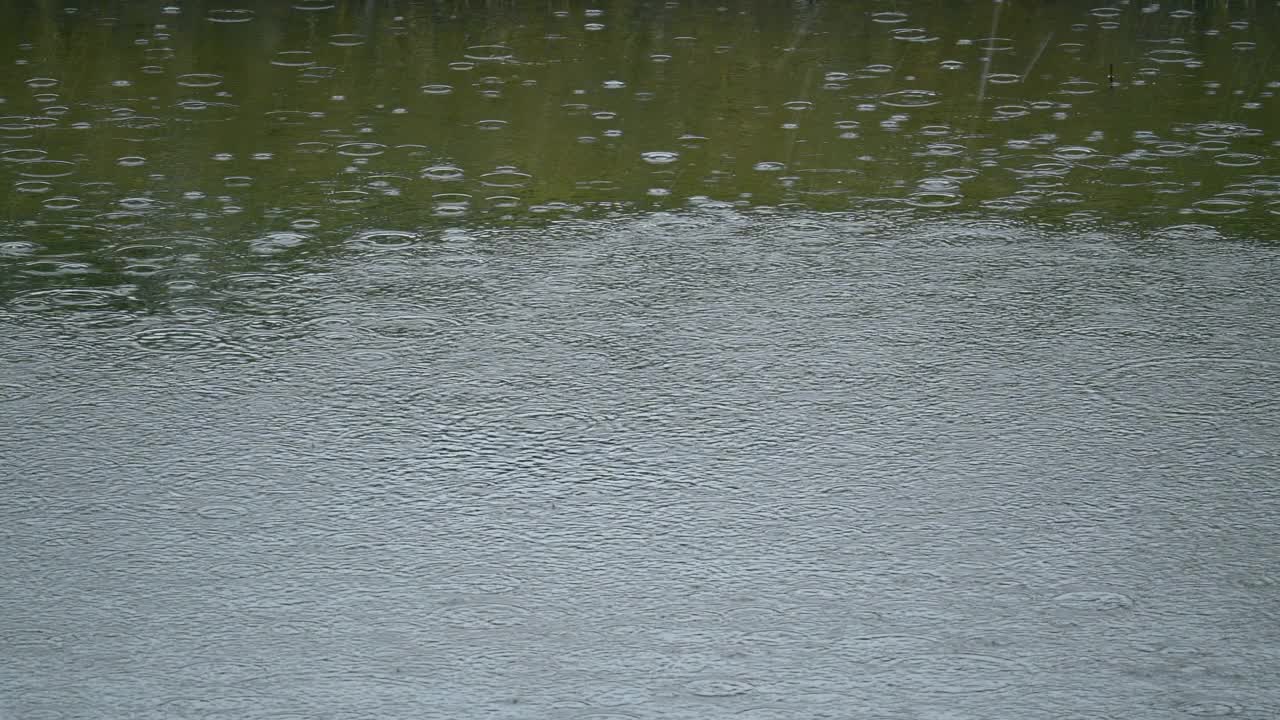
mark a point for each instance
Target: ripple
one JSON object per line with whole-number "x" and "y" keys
{"x": 361, "y": 149}
{"x": 613, "y": 693}
{"x": 144, "y": 254}
{"x": 1010, "y": 110}
{"x": 495, "y": 663}
{"x": 780, "y": 712}
{"x": 276, "y": 242}
{"x": 257, "y": 291}
{"x": 1073, "y": 153}
{"x": 212, "y": 706}
{"x": 179, "y": 340}
{"x": 482, "y": 616}
{"x": 1174, "y": 149}
{"x": 239, "y": 569}
{"x": 33, "y": 186}
{"x": 1078, "y": 87}
{"x": 348, "y": 197}
{"x": 477, "y": 582}
{"x": 221, "y": 511}
{"x": 18, "y": 249}
{"x": 994, "y": 43}
{"x": 442, "y": 173}
{"x": 719, "y": 687}
{"x": 20, "y": 124}
{"x": 554, "y": 207}
{"x": 145, "y": 127}
{"x": 294, "y": 58}
{"x": 1220, "y": 130}
{"x": 52, "y": 267}
{"x": 489, "y": 53}
{"x": 62, "y": 202}
{"x": 953, "y": 673}
{"x": 546, "y": 423}
{"x": 887, "y": 643}
{"x": 1211, "y": 708}
{"x": 462, "y": 200}
{"x": 346, "y": 39}
{"x": 436, "y": 89}
{"x": 230, "y": 15}
{"x": 944, "y": 149}
{"x": 46, "y": 168}
{"x": 889, "y": 17}
{"x": 23, "y": 155}
{"x": 1220, "y": 206}
{"x": 660, "y": 157}
{"x": 293, "y": 117}
{"x": 910, "y": 98}
{"x": 1093, "y": 601}
{"x": 316, "y": 73}
{"x": 933, "y": 199}
{"x": 1237, "y": 159}
{"x": 1199, "y": 386}
{"x": 64, "y": 298}
{"x": 385, "y": 239}
{"x": 1170, "y": 55}
{"x": 769, "y": 166}
{"x": 200, "y": 80}
{"x": 604, "y": 657}
{"x": 505, "y": 178}
{"x": 204, "y": 111}
{"x": 1003, "y": 78}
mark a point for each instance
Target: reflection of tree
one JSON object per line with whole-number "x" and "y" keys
{"x": 328, "y": 117}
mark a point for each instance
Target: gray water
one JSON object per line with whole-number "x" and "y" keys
{"x": 710, "y": 464}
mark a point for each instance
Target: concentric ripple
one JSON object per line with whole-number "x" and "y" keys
{"x": 489, "y": 53}
{"x": 719, "y": 687}
{"x": 67, "y": 298}
{"x": 181, "y": 340}
{"x": 385, "y": 239}
{"x": 442, "y": 173}
{"x": 952, "y": 673}
{"x": 505, "y": 178}
{"x": 911, "y": 98}
{"x": 1204, "y": 386}
{"x": 482, "y": 616}
{"x": 1093, "y": 601}
{"x": 230, "y": 15}
{"x": 659, "y": 157}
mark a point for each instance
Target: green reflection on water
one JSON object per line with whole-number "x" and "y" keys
{"x": 136, "y": 136}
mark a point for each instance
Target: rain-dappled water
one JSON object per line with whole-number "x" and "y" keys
{"x": 635, "y": 360}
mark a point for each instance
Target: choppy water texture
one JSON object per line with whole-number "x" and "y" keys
{"x": 639, "y": 360}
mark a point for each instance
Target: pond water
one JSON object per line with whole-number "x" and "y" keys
{"x": 639, "y": 360}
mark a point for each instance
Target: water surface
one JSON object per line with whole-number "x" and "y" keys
{"x": 631, "y": 360}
